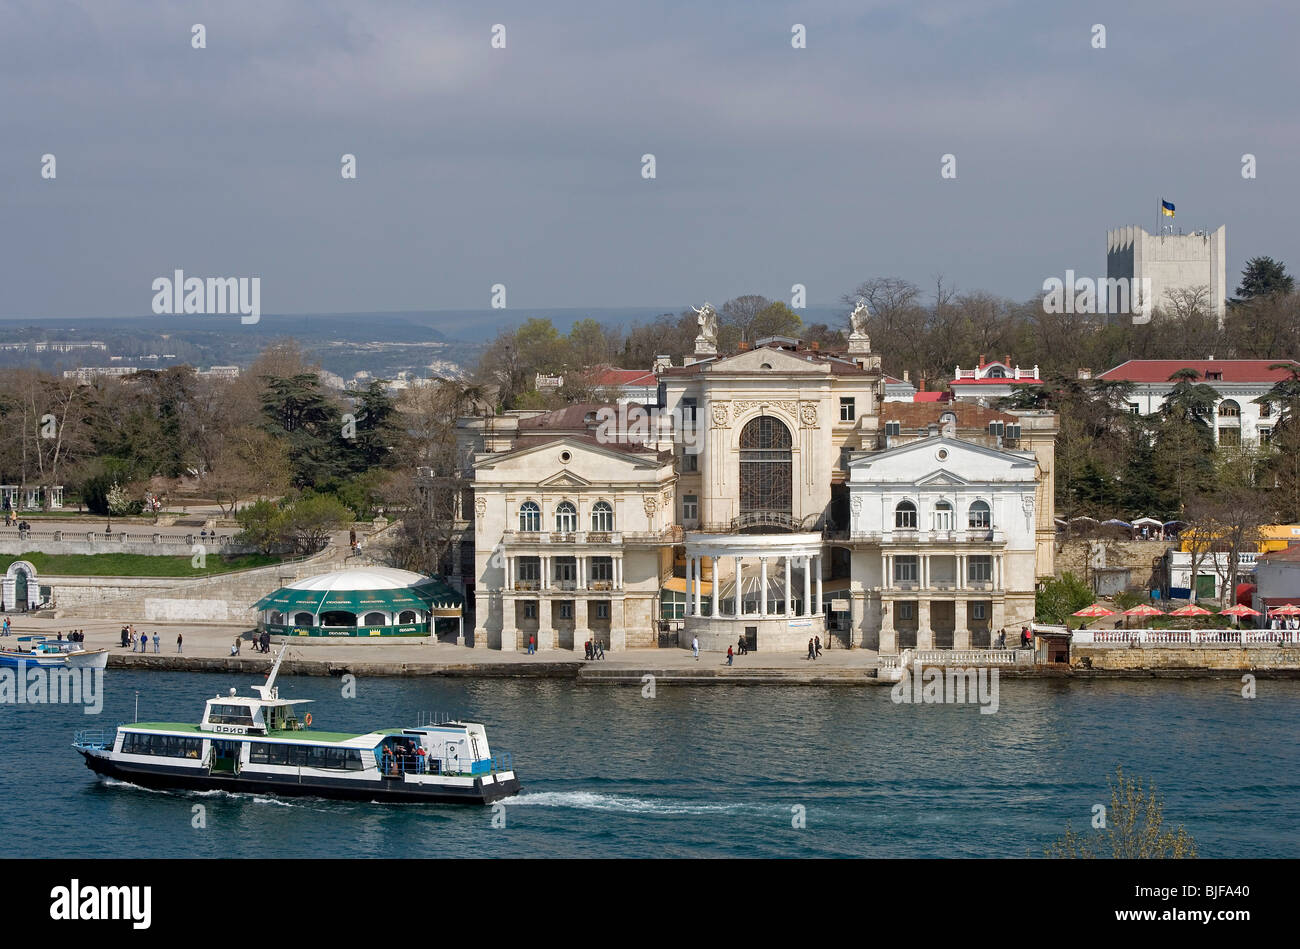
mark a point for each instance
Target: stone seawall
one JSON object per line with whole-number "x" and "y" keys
{"x": 1189, "y": 658}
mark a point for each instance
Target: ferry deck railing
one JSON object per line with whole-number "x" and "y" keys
{"x": 424, "y": 764}
{"x": 95, "y": 739}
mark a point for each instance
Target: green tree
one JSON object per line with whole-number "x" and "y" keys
{"x": 310, "y": 520}
{"x": 1132, "y": 829}
{"x": 296, "y": 410}
{"x": 1058, "y": 599}
{"x": 262, "y": 526}
{"x": 1264, "y": 277}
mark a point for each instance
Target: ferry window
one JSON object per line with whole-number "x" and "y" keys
{"x": 169, "y": 746}
{"x": 230, "y": 715}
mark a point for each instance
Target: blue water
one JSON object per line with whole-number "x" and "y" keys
{"x": 699, "y": 771}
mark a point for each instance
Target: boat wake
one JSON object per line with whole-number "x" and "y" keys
{"x": 588, "y": 800}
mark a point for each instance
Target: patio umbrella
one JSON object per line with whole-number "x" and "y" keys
{"x": 1286, "y": 609}
{"x": 1239, "y": 610}
{"x": 1190, "y": 610}
{"x": 1144, "y": 610}
{"x": 1095, "y": 610}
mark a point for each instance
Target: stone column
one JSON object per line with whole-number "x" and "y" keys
{"x": 545, "y": 629}
{"x": 581, "y": 632}
{"x": 924, "y": 634}
{"x": 807, "y": 586}
{"x": 857, "y": 609}
{"x": 581, "y": 564}
{"x": 789, "y": 564}
{"x": 546, "y": 573}
{"x": 713, "y": 562}
{"x": 689, "y": 599}
{"x": 737, "y": 561}
{"x": 888, "y": 635}
{"x": 762, "y": 586}
{"x": 699, "y": 572}
{"x": 819, "y": 584}
{"x": 616, "y": 572}
{"x": 617, "y": 625}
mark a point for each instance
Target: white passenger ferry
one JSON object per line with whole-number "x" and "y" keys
{"x": 257, "y": 744}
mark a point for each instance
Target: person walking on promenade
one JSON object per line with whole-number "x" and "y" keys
{"x": 178, "y": 644}
{"x": 600, "y": 649}
{"x": 729, "y": 655}
{"x": 695, "y": 647}
{"x": 157, "y": 643}
{"x": 819, "y": 647}
{"x": 740, "y": 646}
{"x": 6, "y": 626}
{"x": 587, "y": 649}
{"x": 811, "y": 653}
{"x": 532, "y": 644}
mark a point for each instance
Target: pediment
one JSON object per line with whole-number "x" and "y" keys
{"x": 564, "y": 479}
{"x": 942, "y": 477}
{"x": 779, "y": 360}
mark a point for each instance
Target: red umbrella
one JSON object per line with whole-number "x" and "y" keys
{"x": 1239, "y": 610}
{"x": 1095, "y": 610}
{"x": 1144, "y": 610}
{"x": 1190, "y": 610}
{"x": 1287, "y": 609}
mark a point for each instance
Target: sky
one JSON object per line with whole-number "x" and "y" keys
{"x": 523, "y": 166}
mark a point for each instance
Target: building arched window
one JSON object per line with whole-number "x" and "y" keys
{"x": 996, "y": 372}
{"x": 566, "y": 518}
{"x": 943, "y": 516}
{"x": 530, "y": 517}
{"x": 602, "y": 517}
{"x": 303, "y": 619}
{"x": 905, "y": 516}
{"x": 277, "y": 619}
{"x": 766, "y": 466}
{"x": 1229, "y": 408}
{"x": 979, "y": 515}
{"x": 375, "y": 619}
{"x": 407, "y": 616}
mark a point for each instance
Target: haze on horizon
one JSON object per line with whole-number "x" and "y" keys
{"x": 522, "y": 166}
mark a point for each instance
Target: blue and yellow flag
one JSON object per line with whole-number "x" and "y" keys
{"x": 1166, "y": 208}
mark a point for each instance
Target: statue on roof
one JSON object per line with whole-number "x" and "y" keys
{"x": 707, "y": 317}
{"x": 858, "y": 318}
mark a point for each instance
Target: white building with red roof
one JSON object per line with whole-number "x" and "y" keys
{"x": 1239, "y": 419}
{"x": 990, "y": 381}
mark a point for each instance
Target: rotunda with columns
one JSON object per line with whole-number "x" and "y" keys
{"x": 763, "y": 588}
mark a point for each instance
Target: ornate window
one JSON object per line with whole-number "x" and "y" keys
{"x": 530, "y": 517}
{"x": 905, "y": 516}
{"x": 1228, "y": 408}
{"x": 602, "y": 517}
{"x": 943, "y": 516}
{"x": 766, "y": 466}
{"x": 979, "y": 516}
{"x": 566, "y": 518}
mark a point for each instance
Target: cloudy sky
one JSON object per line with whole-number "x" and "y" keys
{"x": 522, "y": 166}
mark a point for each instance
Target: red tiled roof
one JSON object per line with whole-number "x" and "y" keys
{"x": 611, "y": 376}
{"x": 932, "y": 397}
{"x": 1233, "y": 370}
{"x": 1291, "y": 554}
{"x": 571, "y": 418}
{"x": 917, "y": 415}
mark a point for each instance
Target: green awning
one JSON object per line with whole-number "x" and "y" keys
{"x": 432, "y": 594}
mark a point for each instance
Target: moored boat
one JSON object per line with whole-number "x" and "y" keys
{"x": 53, "y": 654}
{"x": 258, "y": 744}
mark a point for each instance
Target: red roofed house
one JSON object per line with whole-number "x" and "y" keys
{"x": 990, "y": 381}
{"x": 1239, "y": 382}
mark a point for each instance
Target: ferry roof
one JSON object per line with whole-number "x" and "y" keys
{"x": 304, "y": 736}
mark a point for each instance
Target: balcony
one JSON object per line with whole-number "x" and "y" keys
{"x": 905, "y": 538}
{"x": 532, "y": 539}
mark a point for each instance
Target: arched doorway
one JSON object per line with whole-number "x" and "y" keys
{"x": 21, "y": 590}
{"x": 766, "y": 466}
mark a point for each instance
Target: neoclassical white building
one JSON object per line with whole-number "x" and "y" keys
{"x": 761, "y": 499}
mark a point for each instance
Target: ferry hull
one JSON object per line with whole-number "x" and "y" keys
{"x": 88, "y": 659}
{"x": 163, "y": 778}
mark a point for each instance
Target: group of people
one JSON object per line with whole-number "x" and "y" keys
{"x": 140, "y": 642}
{"x": 1284, "y": 622}
{"x": 403, "y": 756}
{"x": 11, "y": 520}
{"x": 815, "y": 647}
{"x": 741, "y": 648}
{"x": 594, "y": 649}
{"x": 74, "y": 636}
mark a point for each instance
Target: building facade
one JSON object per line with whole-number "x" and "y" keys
{"x": 1238, "y": 418}
{"x": 757, "y": 500}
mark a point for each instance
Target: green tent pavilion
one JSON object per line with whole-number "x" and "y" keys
{"x": 362, "y": 602}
